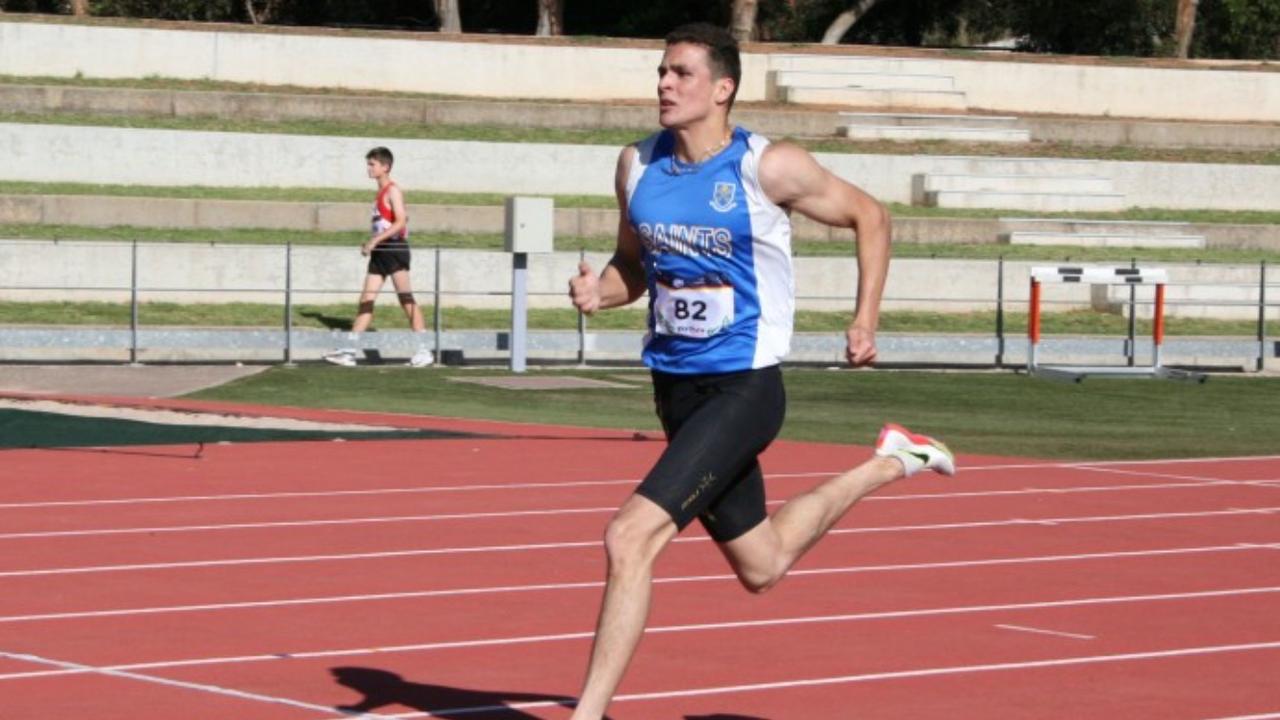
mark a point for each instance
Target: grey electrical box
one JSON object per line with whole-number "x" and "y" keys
{"x": 530, "y": 225}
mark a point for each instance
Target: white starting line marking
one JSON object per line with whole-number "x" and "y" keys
{"x": 669, "y": 629}
{"x": 1042, "y": 631}
{"x": 200, "y": 687}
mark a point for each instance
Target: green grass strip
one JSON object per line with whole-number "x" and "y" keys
{"x": 624, "y": 136}
{"x": 338, "y": 316}
{"x": 989, "y": 413}
{"x": 303, "y": 194}
{"x": 494, "y": 242}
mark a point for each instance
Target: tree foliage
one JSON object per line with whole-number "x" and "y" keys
{"x": 1223, "y": 28}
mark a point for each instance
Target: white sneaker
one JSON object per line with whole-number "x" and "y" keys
{"x": 345, "y": 357}
{"x": 915, "y": 452}
{"x": 422, "y": 358}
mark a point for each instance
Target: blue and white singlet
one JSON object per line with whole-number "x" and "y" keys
{"x": 717, "y": 258}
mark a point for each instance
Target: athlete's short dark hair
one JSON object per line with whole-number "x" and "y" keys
{"x": 380, "y": 154}
{"x": 722, "y": 50}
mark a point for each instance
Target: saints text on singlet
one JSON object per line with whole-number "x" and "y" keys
{"x": 717, "y": 258}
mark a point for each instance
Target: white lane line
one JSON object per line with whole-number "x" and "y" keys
{"x": 373, "y": 555}
{"x": 674, "y": 629}
{"x": 80, "y": 668}
{"x": 478, "y": 487}
{"x": 1263, "y": 716}
{"x": 1167, "y": 476}
{"x": 1042, "y": 631}
{"x": 1086, "y": 465}
{"x": 898, "y": 675}
{"x": 538, "y": 513}
{"x": 542, "y": 587}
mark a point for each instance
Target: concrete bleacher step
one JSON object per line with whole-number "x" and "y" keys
{"x": 953, "y": 134}
{"x": 1036, "y": 201}
{"x": 921, "y": 126}
{"x": 1025, "y": 237}
{"x": 1115, "y": 227}
{"x": 1020, "y": 183}
{"x": 883, "y": 97}
{"x": 855, "y": 63}
{"x": 870, "y": 80}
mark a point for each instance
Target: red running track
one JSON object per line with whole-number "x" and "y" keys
{"x": 460, "y": 578}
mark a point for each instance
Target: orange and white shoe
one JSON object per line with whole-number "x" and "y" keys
{"x": 915, "y": 452}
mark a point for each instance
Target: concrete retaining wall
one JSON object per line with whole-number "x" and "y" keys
{"x": 126, "y": 156}
{"x": 191, "y": 273}
{"x": 521, "y": 67}
{"x": 39, "y": 99}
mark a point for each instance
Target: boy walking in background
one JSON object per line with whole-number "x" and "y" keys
{"x": 388, "y": 253}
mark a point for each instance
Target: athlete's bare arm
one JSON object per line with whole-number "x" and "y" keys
{"x": 622, "y": 281}
{"x": 395, "y": 198}
{"x": 792, "y": 179}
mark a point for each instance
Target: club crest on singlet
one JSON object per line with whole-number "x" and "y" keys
{"x": 723, "y": 197}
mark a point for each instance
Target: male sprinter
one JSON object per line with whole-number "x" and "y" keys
{"x": 388, "y": 251}
{"x": 705, "y": 229}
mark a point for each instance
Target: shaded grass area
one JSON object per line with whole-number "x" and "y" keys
{"x": 624, "y": 136}
{"x": 308, "y": 194}
{"x": 33, "y": 429}
{"x": 990, "y": 413}
{"x": 424, "y": 241}
{"x": 388, "y": 316}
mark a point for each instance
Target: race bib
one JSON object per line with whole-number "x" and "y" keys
{"x": 694, "y": 312}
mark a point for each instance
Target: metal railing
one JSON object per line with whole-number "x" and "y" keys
{"x": 577, "y": 343}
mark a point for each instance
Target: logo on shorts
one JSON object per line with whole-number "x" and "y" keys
{"x": 723, "y": 197}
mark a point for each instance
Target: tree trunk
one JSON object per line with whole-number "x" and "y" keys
{"x": 550, "y": 17}
{"x": 846, "y": 20}
{"x": 1185, "y": 28}
{"x": 743, "y": 22}
{"x": 80, "y": 8}
{"x": 260, "y": 17}
{"x": 450, "y": 20}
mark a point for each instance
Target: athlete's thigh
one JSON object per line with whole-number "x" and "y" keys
{"x": 712, "y": 450}
{"x": 400, "y": 281}
{"x": 739, "y": 508}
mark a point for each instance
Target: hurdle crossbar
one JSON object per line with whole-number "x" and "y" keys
{"x": 1101, "y": 276}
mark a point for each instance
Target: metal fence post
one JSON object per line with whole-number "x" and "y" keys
{"x": 133, "y": 304}
{"x": 1262, "y": 315}
{"x": 1130, "y": 351}
{"x": 582, "y": 320}
{"x": 436, "y": 316}
{"x": 1000, "y": 312}
{"x": 288, "y": 303}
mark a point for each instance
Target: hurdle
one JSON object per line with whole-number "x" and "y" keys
{"x": 1102, "y": 276}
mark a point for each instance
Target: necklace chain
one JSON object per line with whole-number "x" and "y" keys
{"x": 679, "y": 167}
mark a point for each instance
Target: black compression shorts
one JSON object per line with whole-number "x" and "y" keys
{"x": 716, "y": 426}
{"x": 389, "y": 258}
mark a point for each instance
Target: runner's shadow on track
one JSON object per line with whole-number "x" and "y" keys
{"x": 381, "y": 688}
{"x": 722, "y": 716}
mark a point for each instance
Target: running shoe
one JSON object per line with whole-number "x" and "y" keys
{"x": 345, "y": 357}
{"x": 422, "y": 358}
{"x": 915, "y": 452}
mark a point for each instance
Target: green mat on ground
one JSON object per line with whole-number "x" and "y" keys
{"x": 34, "y": 429}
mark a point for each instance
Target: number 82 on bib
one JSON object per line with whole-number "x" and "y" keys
{"x": 693, "y": 312}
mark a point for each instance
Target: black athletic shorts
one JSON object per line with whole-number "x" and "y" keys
{"x": 389, "y": 258}
{"x": 716, "y": 426}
